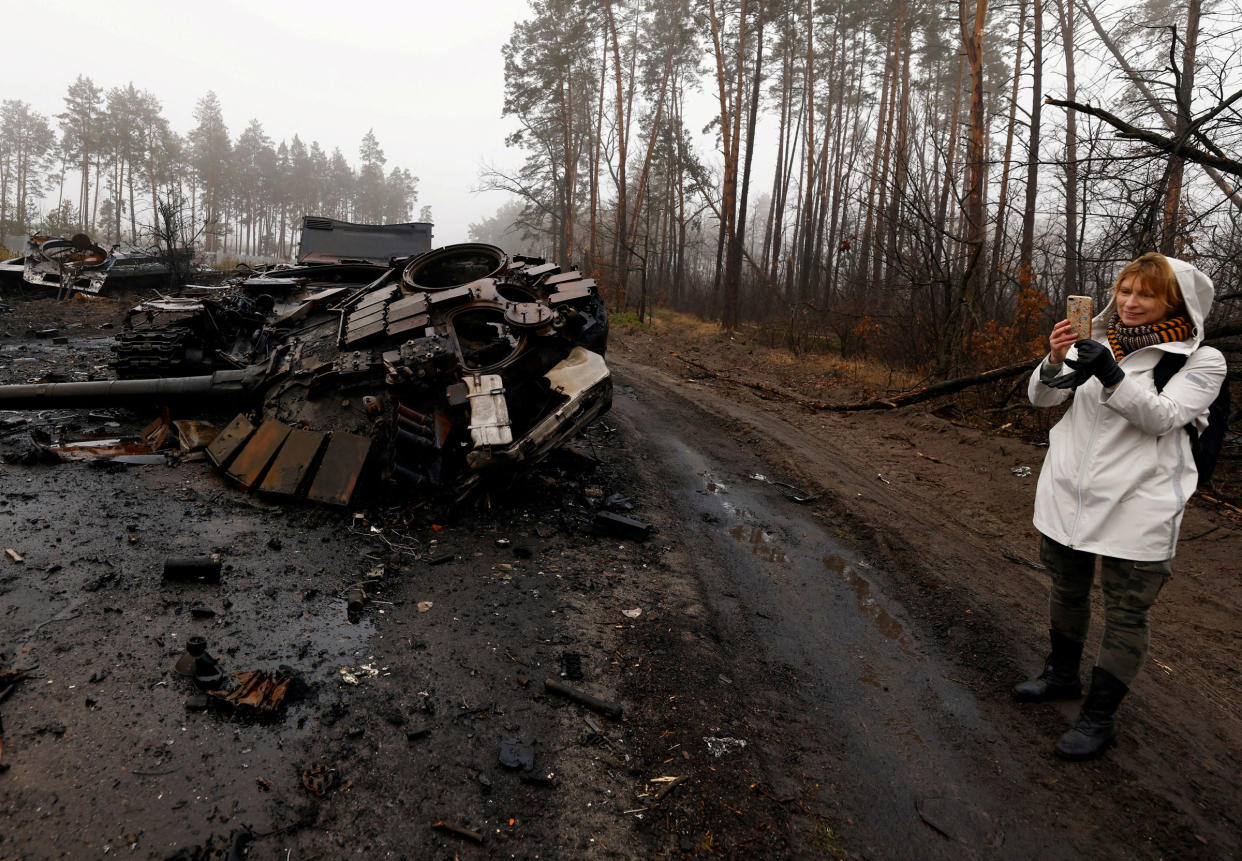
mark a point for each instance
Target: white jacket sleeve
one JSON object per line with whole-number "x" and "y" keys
{"x": 1188, "y": 394}
{"x": 1046, "y": 396}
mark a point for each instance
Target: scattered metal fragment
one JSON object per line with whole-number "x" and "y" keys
{"x": 621, "y": 526}
{"x": 719, "y": 746}
{"x": 199, "y": 569}
{"x": 259, "y": 693}
{"x": 604, "y": 707}
{"x": 13, "y": 555}
{"x": 458, "y": 830}
{"x": 319, "y": 779}
{"x": 202, "y": 611}
{"x": 441, "y": 559}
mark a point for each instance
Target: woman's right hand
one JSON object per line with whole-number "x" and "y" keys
{"x": 1062, "y": 338}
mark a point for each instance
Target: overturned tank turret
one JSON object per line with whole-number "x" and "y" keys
{"x": 451, "y": 363}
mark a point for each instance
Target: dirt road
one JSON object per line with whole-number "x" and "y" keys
{"x": 816, "y": 678}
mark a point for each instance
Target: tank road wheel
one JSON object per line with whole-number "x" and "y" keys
{"x": 151, "y": 353}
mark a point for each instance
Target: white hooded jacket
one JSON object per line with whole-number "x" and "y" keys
{"x": 1119, "y": 471}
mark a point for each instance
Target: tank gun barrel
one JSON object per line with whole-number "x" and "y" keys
{"x": 231, "y": 384}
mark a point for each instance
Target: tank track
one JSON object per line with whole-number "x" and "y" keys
{"x": 151, "y": 353}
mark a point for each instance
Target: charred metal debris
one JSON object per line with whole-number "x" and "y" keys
{"x": 423, "y": 373}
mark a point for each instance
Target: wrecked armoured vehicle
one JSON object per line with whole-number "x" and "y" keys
{"x": 452, "y": 363}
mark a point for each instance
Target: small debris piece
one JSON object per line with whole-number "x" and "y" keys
{"x": 571, "y": 665}
{"x": 441, "y": 559}
{"x": 420, "y": 731}
{"x": 632, "y": 614}
{"x": 60, "y": 339}
{"x": 258, "y": 692}
{"x": 197, "y": 703}
{"x": 669, "y": 786}
{"x": 514, "y": 753}
{"x": 604, "y": 707}
{"x": 198, "y": 569}
{"x": 502, "y": 542}
{"x": 1021, "y": 471}
{"x": 621, "y": 526}
{"x": 424, "y": 606}
{"x": 458, "y": 830}
{"x": 318, "y": 779}
{"x": 355, "y": 600}
{"x": 538, "y": 779}
{"x": 202, "y": 612}
{"x": 264, "y": 784}
{"x": 719, "y": 746}
{"x": 13, "y": 554}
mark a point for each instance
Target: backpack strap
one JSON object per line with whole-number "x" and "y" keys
{"x": 1169, "y": 364}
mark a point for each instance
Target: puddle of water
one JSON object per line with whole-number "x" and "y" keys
{"x": 884, "y": 623}
{"x": 762, "y": 544}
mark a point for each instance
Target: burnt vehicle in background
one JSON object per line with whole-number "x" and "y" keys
{"x": 447, "y": 366}
{"x": 77, "y": 264}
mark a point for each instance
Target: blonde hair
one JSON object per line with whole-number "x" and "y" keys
{"x": 1157, "y": 276}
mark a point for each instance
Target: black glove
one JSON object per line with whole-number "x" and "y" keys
{"x": 1094, "y": 360}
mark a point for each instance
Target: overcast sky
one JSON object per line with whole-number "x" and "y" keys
{"x": 428, "y": 77}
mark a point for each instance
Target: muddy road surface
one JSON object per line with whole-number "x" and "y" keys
{"x": 811, "y": 653}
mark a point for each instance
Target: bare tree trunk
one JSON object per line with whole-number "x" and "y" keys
{"x": 1002, "y": 198}
{"x": 1065, "y": 15}
{"x": 1026, "y": 251}
{"x": 733, "y": 276}
{"x": 1177, "y": 165}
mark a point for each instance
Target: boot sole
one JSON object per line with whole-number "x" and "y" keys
{"x": 1046, "y": 698}
{"x": 1083, "y": 757}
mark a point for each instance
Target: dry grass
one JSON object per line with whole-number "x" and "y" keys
{"x": 812, "y": 373}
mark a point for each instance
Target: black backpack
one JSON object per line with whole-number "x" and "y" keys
{"x": 1204, "y": 447}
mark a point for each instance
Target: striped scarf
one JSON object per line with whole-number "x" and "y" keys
{"x": 1127, "y": 339}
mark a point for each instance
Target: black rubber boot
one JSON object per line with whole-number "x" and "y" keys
{"x": 1095, "y": 730}
{"x": 1059, "y": 680}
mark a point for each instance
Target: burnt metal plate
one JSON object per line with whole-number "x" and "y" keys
{"x": 358, "y": 319}
{"x": 406, "y": 307}
{"x": 252, "y": 461}
{"x": 535, "y": 271}
{"x": 407, "y": 324}
{"x": 293, "y": 463}
{"x": 577, "y": 290}
{"x": 571, "y": 275}
{"x": 376, "y": 298}
{"x": 229, "y": 441}
{"x": 338, "y": 473}
{"x": 353, "y": 336}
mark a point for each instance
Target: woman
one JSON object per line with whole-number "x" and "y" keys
{"x": 1116, "y": 478}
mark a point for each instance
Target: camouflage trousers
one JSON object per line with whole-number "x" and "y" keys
{"x": 1130, "y": 588}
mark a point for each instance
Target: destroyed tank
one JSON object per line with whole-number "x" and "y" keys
{"x": 452, "y": 363}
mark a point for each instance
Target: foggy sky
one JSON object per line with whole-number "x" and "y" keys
{"x": 426, "y": 76}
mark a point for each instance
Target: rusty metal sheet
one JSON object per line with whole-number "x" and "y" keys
{"x": 252, "y": 461}
{"x": 569, "y": 292}
{"x": 545, "y": 269}
{"x": 293, "y": 463}
{"x": 193, "y": 435}
{"x": 379, "y": 296}
{"x": 449, "y": 298}
{"x": 358, "y": 319}
{"x": 407, "y": 306}
{"x": 416, "y": 322}
{"x": 354, "y": 336}
{"x": 229, "y": 441}
{"x": 338, "y": 473}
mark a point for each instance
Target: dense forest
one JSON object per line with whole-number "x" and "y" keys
{"x": 237, "y": 197}
{"x": 920, "y": 180}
